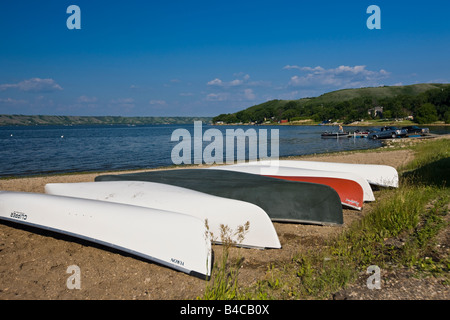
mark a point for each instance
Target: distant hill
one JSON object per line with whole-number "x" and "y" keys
{"x": 31, "y": 120}
{"x": 377, "y": 92}
{"x": 354, "y": 104}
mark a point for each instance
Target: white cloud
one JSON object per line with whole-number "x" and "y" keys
{"x": 158, "y": 102}
{"x": 220, "y": 83}
{"x": 86, "y": 99}
{"x": 242, "y": 80}
{"x": 289, "y": 67}
{"x": 242, "y": 75}
{"x": 217, "y": 96}
{"x": 316, "y": 70}
{"x": 215, "y": 82}
{"x": 249, "y": 95}
{"x": 340, "y": 77}
{"x": 33, "y": 85}
{"x": 11, "y": 101}
{"x": 237, "y": 90}
{"x": 236, "y": 82}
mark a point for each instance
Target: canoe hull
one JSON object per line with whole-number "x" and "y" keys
{"x": 350, "y": 192}
{"x": 282, "y": 200}
{"x": 216, "y": 210}
{"x": 171, "y": 239}
{"x": 380, "y": 175}
{"x": 349, "y": 186}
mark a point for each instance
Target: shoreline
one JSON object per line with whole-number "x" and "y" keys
{"x": 173, "y": 166}
{"x": 36, "y": 183}
{"x": 353, "y": 124}
{"x": 293, "y": 123}
{"x": 33, "y": 263}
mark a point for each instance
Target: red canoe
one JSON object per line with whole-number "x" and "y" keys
{"x": 349, "y": 187}
{"x": 350, "y": 192}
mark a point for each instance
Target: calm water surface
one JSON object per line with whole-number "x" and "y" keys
{"x": 60, "y": 149}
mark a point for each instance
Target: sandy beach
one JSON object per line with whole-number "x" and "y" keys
{"x": 33, "y": 263}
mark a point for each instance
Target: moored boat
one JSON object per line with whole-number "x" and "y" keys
{"x": 335, "y": 135}
{"x": 359, "y": 134}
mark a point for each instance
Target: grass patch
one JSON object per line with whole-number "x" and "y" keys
{"x": 370, "y": 241}
{"x": 420, "y": 251}
{"x": 431, "y": 164}
{"x": 224, "y": 280}
{"x": 399, "y": 231}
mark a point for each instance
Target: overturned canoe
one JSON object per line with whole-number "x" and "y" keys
{"x": 282, "y": 200}
{"x": 381, "y": 175}
{"x": 217, "y": 211}
{"x": 171, "y": 239}
{"x": 348, "y": 186}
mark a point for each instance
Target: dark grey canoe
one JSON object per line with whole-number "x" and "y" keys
{"x": 283, "y": 200}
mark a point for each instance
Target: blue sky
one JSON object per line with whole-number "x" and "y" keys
{"x": 203, "y": 58}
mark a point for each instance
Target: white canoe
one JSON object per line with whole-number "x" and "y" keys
{"x": 217, "y": 210}
{"x": 381, "y": 175}
{"x": 171, "y": 239}
{"x": 267, "y": 170}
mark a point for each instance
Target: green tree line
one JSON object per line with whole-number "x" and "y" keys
{"x": 426, "y": 107}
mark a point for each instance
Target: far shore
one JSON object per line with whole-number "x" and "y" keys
{"x": 353, "y": 124}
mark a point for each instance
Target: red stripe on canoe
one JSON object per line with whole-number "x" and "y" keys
{"x": 349, "y": 191}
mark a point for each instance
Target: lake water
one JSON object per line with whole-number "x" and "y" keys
{"x": 61, "y": 149}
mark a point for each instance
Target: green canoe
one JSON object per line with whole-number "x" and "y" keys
{"x": 283, "y": 200}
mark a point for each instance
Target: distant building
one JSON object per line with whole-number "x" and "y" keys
{"x": 374, "y": 112}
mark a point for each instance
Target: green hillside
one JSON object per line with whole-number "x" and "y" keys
{"x": 425, "y": 102}
{"x": 24, "y": 120}
{"x": 378, "y": 92}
